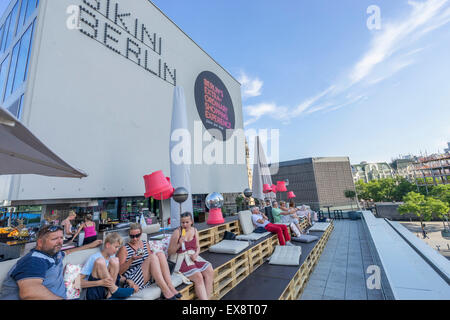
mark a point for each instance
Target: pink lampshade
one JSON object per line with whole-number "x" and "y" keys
{"x": 281, "y": 186}
{"x": 267, "y": 188}
{"x": 167, "y": 194}
{"x": 291, "y": 195}
{"x": 274, "y": 188}
{"x": 156, "y": 183}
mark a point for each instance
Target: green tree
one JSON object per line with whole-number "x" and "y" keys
{"x": 361, "y": 190}
{"x": 350, "y": 194}
{"x": 240, "y": 201}
{"x": 442, "y": 193}
{"x": 423, "y": 207}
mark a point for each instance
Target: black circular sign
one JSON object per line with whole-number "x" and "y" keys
{"x": 214, "y": 105}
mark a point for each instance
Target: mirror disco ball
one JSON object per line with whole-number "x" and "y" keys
{"x": 214, "y": 200}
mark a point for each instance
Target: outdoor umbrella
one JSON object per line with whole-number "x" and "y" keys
{"x": 21, "y": 152}
{"x": 261, "y": 172}
{"x": 180, "y": 172}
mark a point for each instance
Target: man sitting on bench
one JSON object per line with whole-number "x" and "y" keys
{"x": 260, "y": 220}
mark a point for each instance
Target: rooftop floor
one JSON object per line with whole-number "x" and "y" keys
{"x": 340, "y": 273}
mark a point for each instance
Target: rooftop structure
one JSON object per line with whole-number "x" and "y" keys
{"x": 372, "y": 171}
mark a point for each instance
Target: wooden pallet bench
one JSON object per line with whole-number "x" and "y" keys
{"x": 273, "y": 282}
{"x": 230, "y": 270}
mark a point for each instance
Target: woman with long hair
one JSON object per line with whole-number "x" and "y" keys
{"x": 184, "y": 243}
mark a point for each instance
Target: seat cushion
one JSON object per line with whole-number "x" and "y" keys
{"x": 154, "y": 292}
{"x": 306, "y": 238}
{"x": 229, "y": 246}
{"x": 286, "y": 256}
{"x": 245, "y": 218}
{"x": 5, "y": 267}
{"x": 252, "y": 236}
{"x": 80, "y": 257}
{"x": 320, "y": 226}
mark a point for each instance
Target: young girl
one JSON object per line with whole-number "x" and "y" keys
{"x": 185, "y": 244}
{"x": 90, "y": 235}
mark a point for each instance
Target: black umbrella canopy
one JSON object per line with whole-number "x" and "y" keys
{"x": 21, "y": 152}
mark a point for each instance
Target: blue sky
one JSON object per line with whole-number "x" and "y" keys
{"x": 314, "y": 70}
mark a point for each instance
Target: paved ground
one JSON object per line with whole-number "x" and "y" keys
{"x": 433, "y": 229}
{"x": 340, "y": 272}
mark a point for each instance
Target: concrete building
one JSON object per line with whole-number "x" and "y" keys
{"x": 404, "y": 168}
{"x": 317, "y": 182}
{"x": 94, "y": 80}
{"x": 371, "y": 171}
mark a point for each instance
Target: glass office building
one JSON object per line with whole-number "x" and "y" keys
{"x": 16, "y": 39}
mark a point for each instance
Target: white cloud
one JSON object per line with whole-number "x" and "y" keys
{"x": 251, "y": 87}
{"x": 262, "y": 109}
{"x": 424, "y": 17}
{"x": 391, "y": 50}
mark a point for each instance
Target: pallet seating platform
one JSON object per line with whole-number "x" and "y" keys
{"x": 270, "y": 282}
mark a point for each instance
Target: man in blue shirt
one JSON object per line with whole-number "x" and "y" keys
{"x": 39, "y": 274}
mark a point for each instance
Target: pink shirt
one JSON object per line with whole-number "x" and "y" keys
{"x": 90, "y": 231}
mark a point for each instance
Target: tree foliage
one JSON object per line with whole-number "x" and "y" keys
{"x": 384, "y": 190}
{"x": 423, "y": 207}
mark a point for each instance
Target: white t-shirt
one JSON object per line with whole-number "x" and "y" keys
{"x": 256, "y": 217}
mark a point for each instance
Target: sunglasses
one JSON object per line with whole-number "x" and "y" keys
{"x": 133, "y": 236}
{"x": 49, "y": 229}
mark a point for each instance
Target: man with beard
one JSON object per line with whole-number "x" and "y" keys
{"x": 39, "y": 275}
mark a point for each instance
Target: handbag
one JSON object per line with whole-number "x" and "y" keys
{"x": 260, "y": 230}
{"x": 229, "y": 236}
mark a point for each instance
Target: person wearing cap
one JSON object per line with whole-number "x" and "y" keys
{"x": 39, "y": 274}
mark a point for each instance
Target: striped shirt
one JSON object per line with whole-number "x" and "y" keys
{"x": 134, "y": 272}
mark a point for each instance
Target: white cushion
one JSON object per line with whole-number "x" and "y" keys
{"x": 229, "y": 246}
{"x": 5, "y": 266}
{"x": 252, "y": 236}
{"x": 306, "y": 238}
{"x": 72, "y": 281}
{"x": 286, "y": 256}
{"x": 245, "y": 218}
{"x": 154, "y": 292}
{"x": 80, "y": 257}
{"x": 320, "y": 226}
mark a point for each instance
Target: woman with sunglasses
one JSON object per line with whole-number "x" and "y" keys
{"x": 184, "y": 243}
{"x": 138, "y": 264}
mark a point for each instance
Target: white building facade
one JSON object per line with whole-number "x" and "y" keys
{"x": 98, "y": 90}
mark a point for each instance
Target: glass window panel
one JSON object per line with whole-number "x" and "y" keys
{"x": 5, "y": 33}
{"x": 19, "y": 113}
{"x": 23, "y": 9}
{"x": 12, "y": 25}
{"x": 30, "y": 8}
{"x": 22, "y": 58}
{"x": 12, "y": 69}
{"x": 3, "y": 73}
{"x": 1, "y": 36}
{"x": 14, "y": 108}
{"x": 29, "y": 51}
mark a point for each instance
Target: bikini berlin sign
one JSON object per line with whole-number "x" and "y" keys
{"x": 214, "y": 105}
{"x": 123, "y": 33}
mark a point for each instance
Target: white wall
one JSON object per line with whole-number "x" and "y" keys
{"x": 108, "y": 116}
